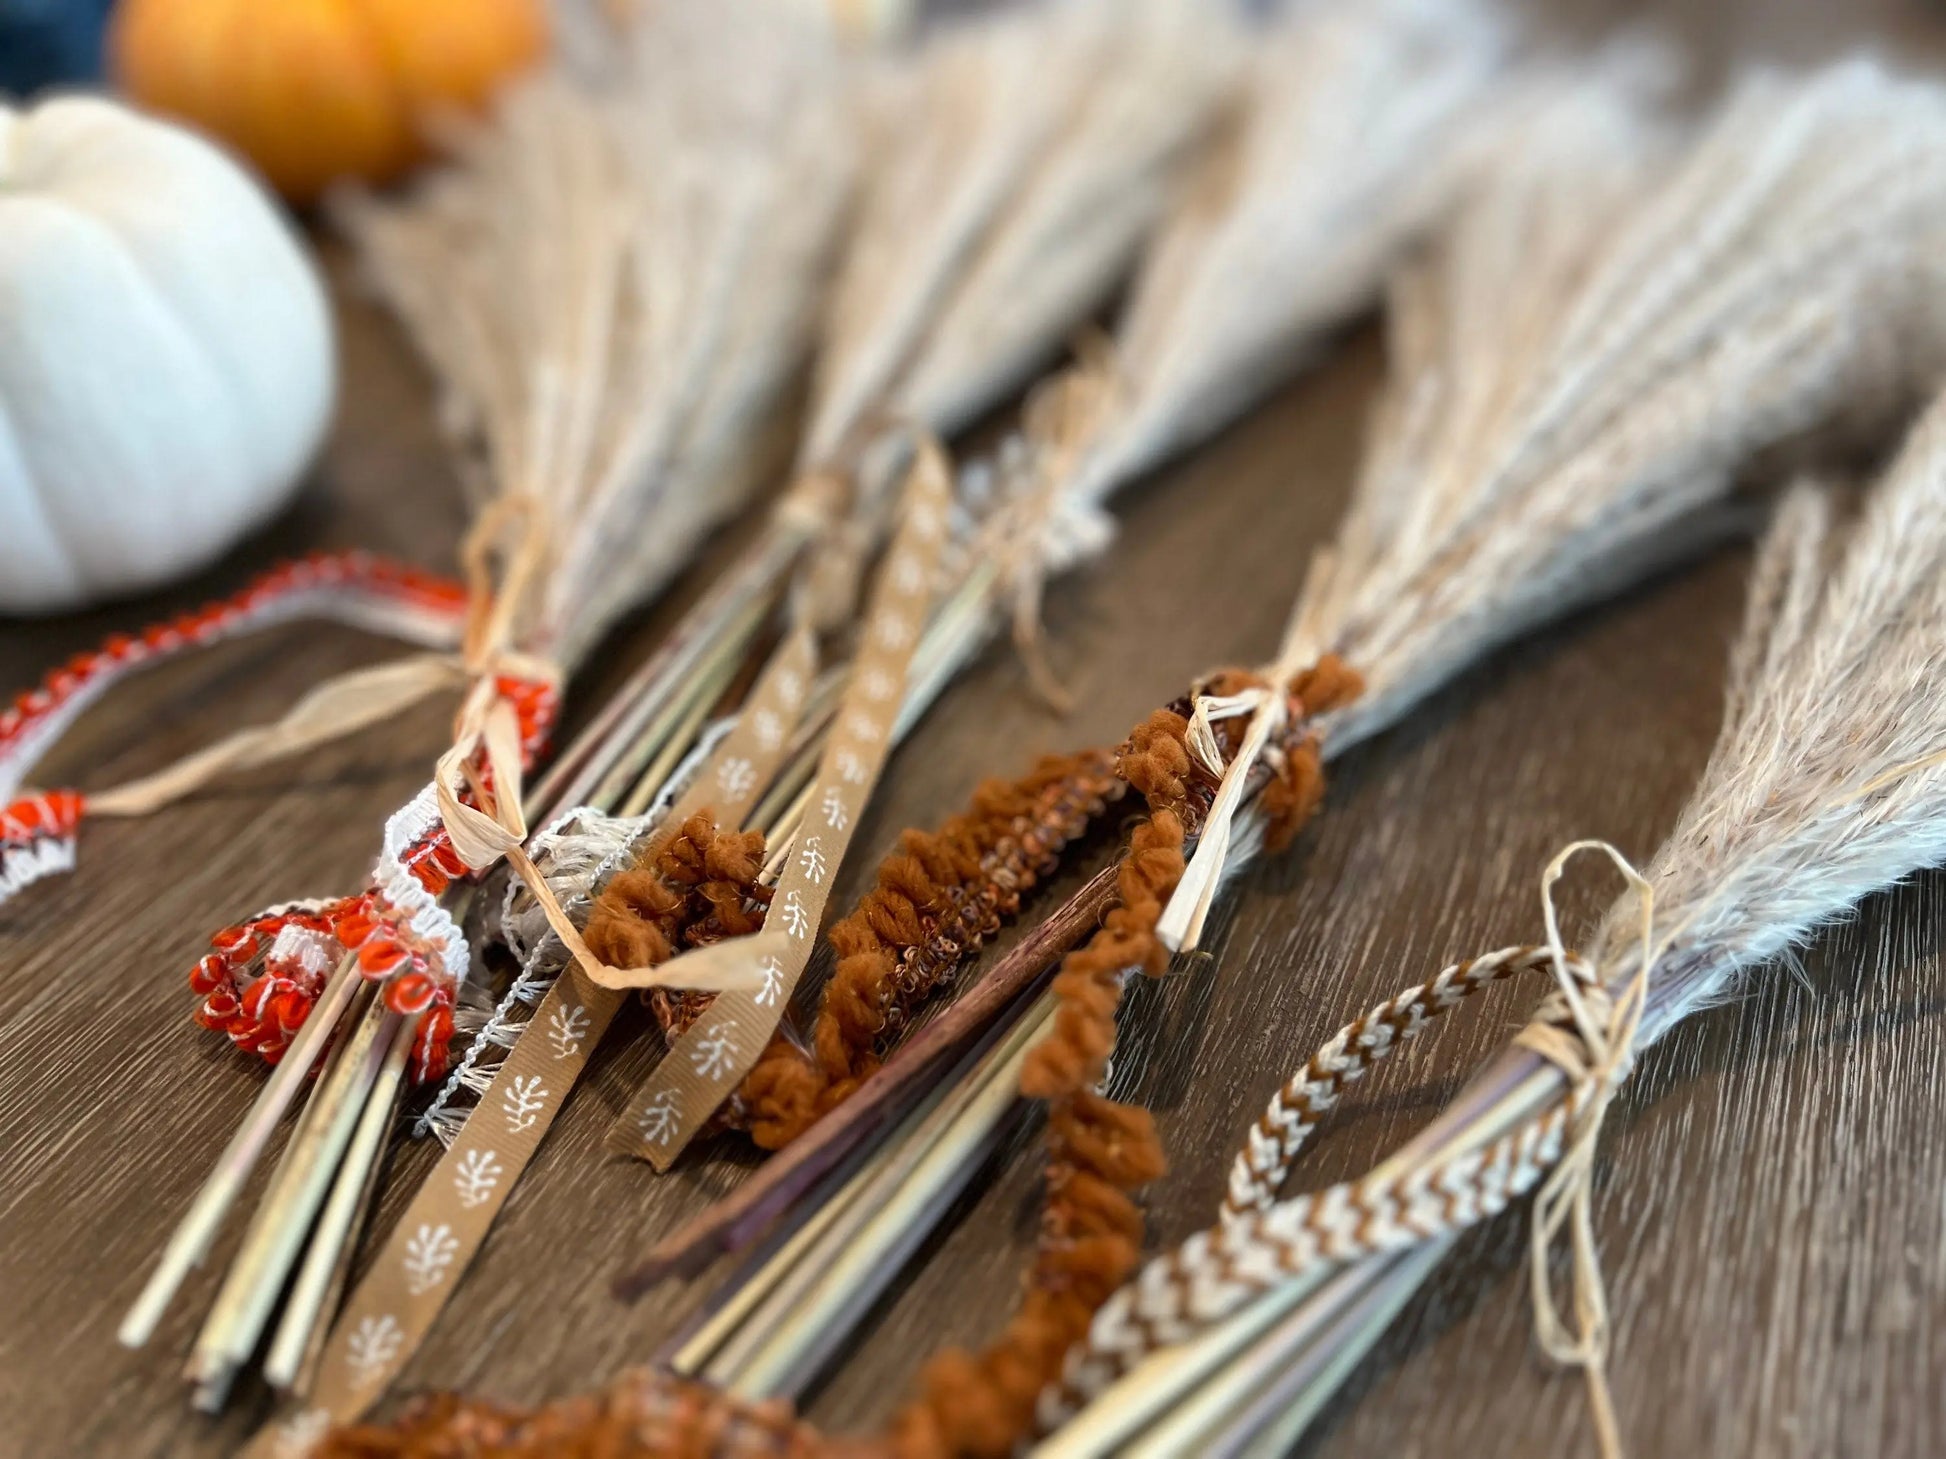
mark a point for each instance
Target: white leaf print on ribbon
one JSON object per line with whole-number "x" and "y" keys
{"x": 372, "y": 1346}
{"x": 477, "y": 1175}
{"x": 735, "y": 776}
{"x": 523, "y": 1101}
{"x": 716, "y": 1052}
{"x": 773, "y": 984}
{"x": 427, "y": 1256}
{"x": 567, "y": 1026}
{"x": 658, "y": 1118}
{"x": 811, "y": 860}
{"x": 792, "y": 916}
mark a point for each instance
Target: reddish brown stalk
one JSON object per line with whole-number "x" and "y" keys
{"x": 936, "y": 901}
{"x": 740, "y": 1218}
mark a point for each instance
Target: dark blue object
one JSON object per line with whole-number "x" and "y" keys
{"x": 48, "y": 42}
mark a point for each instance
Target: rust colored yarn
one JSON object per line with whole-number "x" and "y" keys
{"x": 1099, "y": 1151}
{"x": 935, "y": 901}
{"x": 642, "y": 1415}
{"x": 696, "y": 887}
{"x": 1292, "y": 797}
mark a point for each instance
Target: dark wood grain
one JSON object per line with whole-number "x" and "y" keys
{"x": 1772, "y": 1191}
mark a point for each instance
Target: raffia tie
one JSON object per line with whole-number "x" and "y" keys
{"x": 1064, "y": 421}
{"x": 1263, "y": 1243}
{"x": 1589, "y": 1034}
{"x": 483, "y": 813}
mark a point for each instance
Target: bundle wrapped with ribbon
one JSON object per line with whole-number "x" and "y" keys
{"x": 615, "y": 282}
{"x": 1018, "y": 163}
{"x": 1826, "y": 784}
{"x": 1515, "y": 475}
{"x": 1217, "y": 313}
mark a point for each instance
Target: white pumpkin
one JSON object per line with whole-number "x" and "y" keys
{"x": 166, "y": 359}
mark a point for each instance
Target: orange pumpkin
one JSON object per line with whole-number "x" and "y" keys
{"x": 315, "y": 90}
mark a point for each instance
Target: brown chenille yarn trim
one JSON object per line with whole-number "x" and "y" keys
{"x": 1292, "y": 797}
{"x": 935, "y": 901}
{"x": 642, "y": 1415}
{"x": 1099, "y": 1151}
{"x": 698, "y": 887}
{"x": 970, "y": 1406}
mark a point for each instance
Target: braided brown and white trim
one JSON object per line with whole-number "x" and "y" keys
{"x": 1263, "y": 1164}
{"x": 1263, "y": 1243}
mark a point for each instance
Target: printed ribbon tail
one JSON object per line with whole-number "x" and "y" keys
{"x": 709, "y": 1060}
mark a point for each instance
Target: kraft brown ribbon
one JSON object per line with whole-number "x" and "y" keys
{"x": 710, "y": 1059}
{"x": 388, "y": 1316}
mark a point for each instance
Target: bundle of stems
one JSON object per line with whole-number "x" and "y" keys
{"x": 604, "y": 363}
{"x": 1041, "y": 109}
{"x": 1342, "y": 142}
{"x": 1606, "y": 329}
{"x": 1825, "y": 785}
{"x": 1595, "y": 347}
{"x": 991, "y": 152}
{"x": 1320, "y": 92}
{"x": 1021, "y": 161}
{"x": 590, "y": 842}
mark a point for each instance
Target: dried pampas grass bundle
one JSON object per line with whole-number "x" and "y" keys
{"x": 1020, "y": 162}
{"x": 1605, "y": 333}
{"x": 613, "y": 281}
{"x": 1828, "y": 783}
{"x": 1341, "y": 157}
{"x": 1336, "y": 155}
{"x": 615, "y": 284}
{"x": 1095, "y": 111}
{"x": 1597, "y": 345}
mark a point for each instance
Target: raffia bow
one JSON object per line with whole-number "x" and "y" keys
{"x": 1588, "y": 1032}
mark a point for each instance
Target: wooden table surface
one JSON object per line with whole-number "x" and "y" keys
{"x": 1772, "y": 1187}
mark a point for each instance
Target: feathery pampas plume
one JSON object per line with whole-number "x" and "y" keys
{"x": 1599, "y": 345}
{"x": 1022, "y": 160}
{"x": 1605, "y": 332}
{"x": 1337, "y": 155}
{"x": 615, "y": 283}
